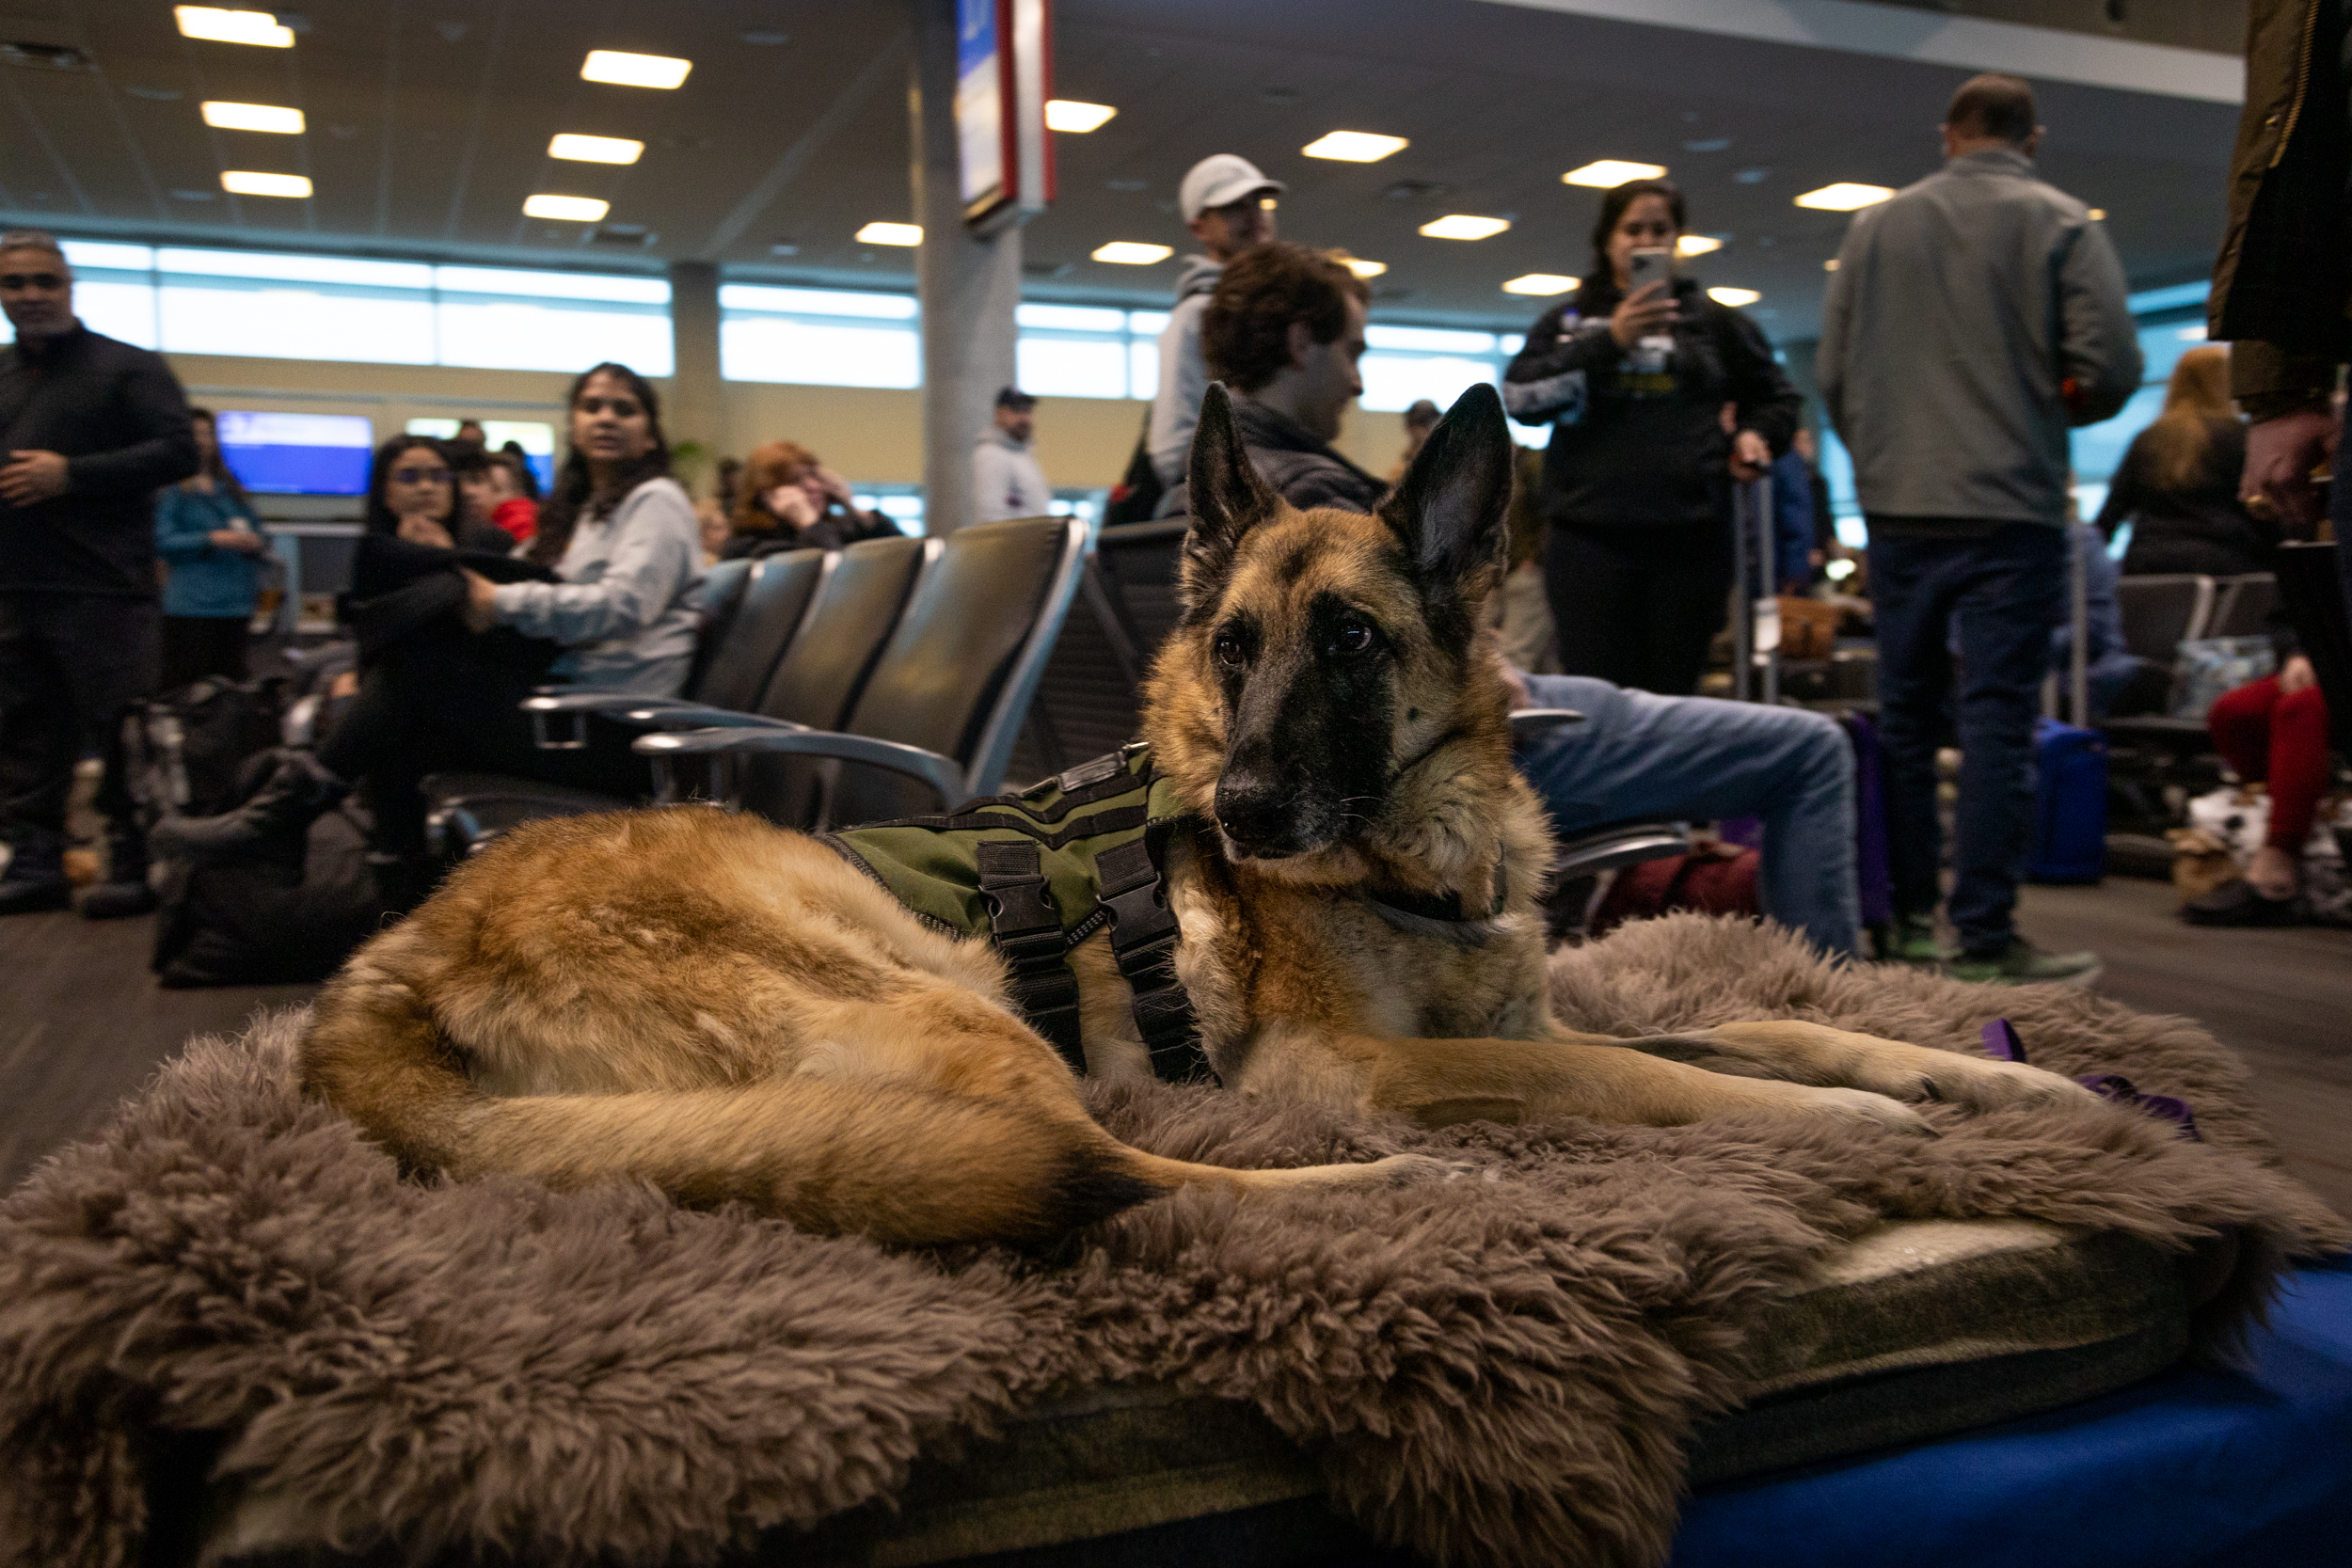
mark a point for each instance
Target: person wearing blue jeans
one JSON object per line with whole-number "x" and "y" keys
{"x": 2002, "y": 590}
{"x": 1701, "y": 759}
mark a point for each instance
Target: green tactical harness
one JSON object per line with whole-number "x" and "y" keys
{"x": 1039, "y": 871}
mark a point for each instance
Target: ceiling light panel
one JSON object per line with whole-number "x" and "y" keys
{"x": 633, "y": 71}
{"x": 1697, "y": 245}
{"x": 253, "y": 117}
{"x": 1132, "y": 253}
{"x": 568, "y": 208}
{"x": 595, "y": 150}
{"x": 891, "y": 233}
{"x": 1605, "y": 172}
{"x": 1733, "y": 296}
{"x": 1071, "y": 115}
{"x": 216, "y": 25}
{"x": 1362, "y": 268}
{"x": 245, "y": 182}
{"x": 1354, "y": 147}
{"x": 1465, "y": 226}
{"x": 1540, "y": 283}
{"x": 1844, "y": 196}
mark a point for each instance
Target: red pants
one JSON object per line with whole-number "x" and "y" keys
{"x": 2262, "y": 735}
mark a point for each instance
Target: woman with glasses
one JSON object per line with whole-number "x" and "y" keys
{"x": 611, "y": 570}
{"x": 413, "y": 495}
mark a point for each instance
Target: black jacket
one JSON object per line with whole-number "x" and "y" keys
{"x": 2284, "y": 279}
{"x": 2199, "y": 527}
{"x": 117, "y": 415}
{"x": 1630, "y": 446}
{"x": 1304, "y": 471}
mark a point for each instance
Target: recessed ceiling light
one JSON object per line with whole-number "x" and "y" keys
{"x": 1069, "y": 113}
{"x": 1734, "y": 296}
{"x": 2098, "y": 214}
{"x": 595, "y": 150}
{"x": 253, "y": 117}
{"x": 891, "y": 233}
{"x": 216, "y": 25}
{"x": 1697, "y": 245}
{"x": 571, "y": 209}
{"x": 633, "y": 71}
{"x": 1132, "y": 253}
{"x": 1464, "y": 226}
{"x": 1362, "y": 268}
{"x": 245, "y": 182}
{"x": 1844, "y": 196}
{"x": 1540, "y": 283}
{"x": 1606, "y": 172}
{"x": 1354, "y": 147}
{"x": 2192, "y": 334}
{"x": 1830, "y": 265}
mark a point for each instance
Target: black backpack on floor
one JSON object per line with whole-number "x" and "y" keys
{"x": 273, "y": 920}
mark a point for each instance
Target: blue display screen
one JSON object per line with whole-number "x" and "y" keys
{"x": 297, "y": 454}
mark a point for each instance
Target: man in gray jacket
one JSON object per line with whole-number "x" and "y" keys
{"x": 1229, "y": 206}
{"x": 1972, "y": 320}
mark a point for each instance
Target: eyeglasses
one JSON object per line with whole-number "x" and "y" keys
{"x": 31, "y": 280}
{"x": 421, "y": 475}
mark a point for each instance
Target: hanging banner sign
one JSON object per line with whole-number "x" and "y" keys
{"x": 1004, "y": 75}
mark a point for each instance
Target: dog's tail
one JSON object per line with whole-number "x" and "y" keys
{"x": 899, "y": 1163}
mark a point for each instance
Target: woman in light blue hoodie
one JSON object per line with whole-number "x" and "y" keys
{"x": 207, "y": 535}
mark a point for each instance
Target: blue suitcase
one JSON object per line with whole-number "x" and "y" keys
{"x": 2070, "y": 804}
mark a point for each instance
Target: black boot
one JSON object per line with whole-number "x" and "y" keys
{"x": 35, "y": 878}
{"x": 280, "y": 813}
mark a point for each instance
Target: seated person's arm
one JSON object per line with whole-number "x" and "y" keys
{"x": 657, "y": 556}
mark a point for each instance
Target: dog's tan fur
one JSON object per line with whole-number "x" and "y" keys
{"x": 728, "y": 1010}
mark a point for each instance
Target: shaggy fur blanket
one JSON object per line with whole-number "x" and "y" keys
{"x": 1498, "y": 1371}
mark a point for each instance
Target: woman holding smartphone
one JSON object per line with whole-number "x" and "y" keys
{"x": 1635, "y": 369}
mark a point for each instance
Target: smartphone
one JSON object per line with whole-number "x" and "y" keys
{"x": 1650, "y": 266}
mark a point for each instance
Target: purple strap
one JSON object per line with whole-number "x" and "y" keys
{"x": 2002, "y": 1044}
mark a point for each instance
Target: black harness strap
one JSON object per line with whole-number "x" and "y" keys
{"x": 1027, "y": 931}
{"x": 1144, "y": 935}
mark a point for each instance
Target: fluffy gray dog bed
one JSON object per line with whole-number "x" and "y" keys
{"x": 1500, "y": 1371}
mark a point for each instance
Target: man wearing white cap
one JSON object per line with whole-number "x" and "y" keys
{"x": 1229, "y": 206}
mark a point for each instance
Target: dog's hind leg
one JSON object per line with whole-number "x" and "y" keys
{"x": 1803, "y": 1052}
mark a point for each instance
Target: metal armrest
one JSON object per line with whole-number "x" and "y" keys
{"x": 1621, "y": 845}
{"x": 1529, "y": 723}
{"x": 635, "y": 709}
{"x": 943, "y": 774}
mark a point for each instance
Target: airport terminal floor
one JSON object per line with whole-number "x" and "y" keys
{"x": 1031, "y": 782}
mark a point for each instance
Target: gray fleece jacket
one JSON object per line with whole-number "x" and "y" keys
{"x": 1971, "y": 319}
{"x": 1184, "y": 374}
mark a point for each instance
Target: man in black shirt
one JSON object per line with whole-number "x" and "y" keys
{"x": 89, "y": 430}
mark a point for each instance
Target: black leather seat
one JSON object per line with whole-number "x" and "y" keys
{"x": 1090, "y": 699}
{"x": 935, "y": 721}
{"x": 785, "y": 601}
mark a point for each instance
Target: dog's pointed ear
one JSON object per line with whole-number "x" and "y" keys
{"x": 1453, "y": 507}
{"x": 1227, "y": 498}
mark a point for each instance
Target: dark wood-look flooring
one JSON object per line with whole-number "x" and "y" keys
{"x": 83, "y": 1023}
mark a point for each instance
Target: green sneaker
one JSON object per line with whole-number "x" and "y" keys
{"x": 2020, "y": 963}
{"x": 1912, "y": 940}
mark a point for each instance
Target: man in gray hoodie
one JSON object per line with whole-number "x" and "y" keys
{"x": 1971, "y": 319}
{"x": 1229, "y": 206}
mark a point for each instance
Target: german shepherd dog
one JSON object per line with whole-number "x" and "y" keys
{"x": 732, "y": 1012}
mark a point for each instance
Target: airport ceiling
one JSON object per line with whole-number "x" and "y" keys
{"x": 428, "y": 122}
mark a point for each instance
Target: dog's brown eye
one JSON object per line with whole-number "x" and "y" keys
{"x": 1229, "y": 650}
{"x": 1353, "y": 637}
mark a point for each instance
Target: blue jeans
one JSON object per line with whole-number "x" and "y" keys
{"x": 2004, "y": 593}
{"x": 1698, "y": 759}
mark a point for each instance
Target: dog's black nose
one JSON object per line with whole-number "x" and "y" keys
{"x": 1260, "y": 814}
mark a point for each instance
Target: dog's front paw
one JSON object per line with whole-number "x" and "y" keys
{"x": 1980, "y": 1085}
{"x": 1847, "y": 1105}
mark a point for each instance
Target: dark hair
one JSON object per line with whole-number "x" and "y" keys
{"x": 523, "y": 476}
{"x": 216, "y": 467}
{"x": 575, "y": 494}
{"x": 380, "y": 517}
{"x": 1993, "y": 104}
{"x": 1613, "y": 203}
{"x": 1244, "y": 334}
